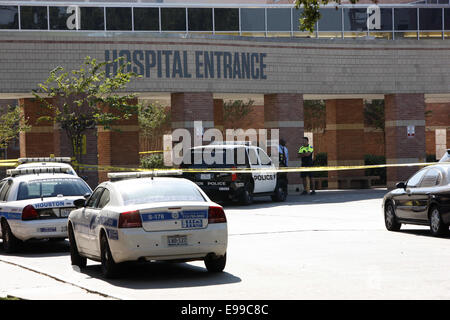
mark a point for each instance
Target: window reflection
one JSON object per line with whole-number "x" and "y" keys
{"x": 9, "y": 17}
{"x": 200, "y": 19}
{"x": 92, "y": 18}
{"x": 253, "y": 19}
{"x": 146, "y": 19}
{"x": 279, "y": 19}
{"x": 173, "y": 19}
{"x": 33, "y": 18}
{"x": 226, "y": 19}
{"x": 118, "y": 19}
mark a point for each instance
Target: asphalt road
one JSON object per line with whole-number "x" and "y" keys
{"x": 332, "y": 245}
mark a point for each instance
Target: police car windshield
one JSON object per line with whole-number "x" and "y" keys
{"x": 148, "y": 191}
{"x": 51, "y": 188}
{"x": 215, "y": 157}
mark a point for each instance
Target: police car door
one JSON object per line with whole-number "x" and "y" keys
{"x": 87, "y": 226}
{"x": 264, "y": 181}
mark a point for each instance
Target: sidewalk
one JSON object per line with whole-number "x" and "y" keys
{"x": 23, "y": 283}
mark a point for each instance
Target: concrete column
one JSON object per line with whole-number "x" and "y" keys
{"x": 38, "y": 141}
{"x": 403, "y": 111}
{"x": 285, "y": 112}
{"x": 344, "y": 138}
{"x": 119, "y": 146}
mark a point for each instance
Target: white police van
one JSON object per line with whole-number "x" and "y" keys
{"x": 259, "y": 177}
{"x": 35, "y": 203}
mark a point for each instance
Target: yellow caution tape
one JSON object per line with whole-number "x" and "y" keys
{"x": 249, "y": 170}
{"x": 154, "y": 151}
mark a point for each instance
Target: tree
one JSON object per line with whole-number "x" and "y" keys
{"x": 235, "y": 110}
{"x": 311, "y": 14}
{"x": 153, "y": 118}
{"x": 85, "y": 98}
{"x": 12, "y": 122}
{"x": 314, "y": 115}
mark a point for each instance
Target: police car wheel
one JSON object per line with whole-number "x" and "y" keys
{"x": 215, "y": 263}
{"x": 10, "y": 242}
{"x": 76, "y": 258}
{"x": 246, "y": 197}
{"x": 280, "y": 194}
{"x": 110, "y": 269}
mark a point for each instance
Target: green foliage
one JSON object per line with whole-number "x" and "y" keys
{"x": 79, "y": 98}
{"x": 314, "y": 115}
{"x": 374, "y": 113}
{"x": 152, "y": 161}
{"x": 235, "y": 110}
{"x": 311, "y": 14}
{"x": 12, "y": 122}
{"x": 152, "y": 119}
{"x": 371, "y": 159}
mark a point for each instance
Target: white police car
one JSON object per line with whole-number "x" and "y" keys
{"x": 38, "y": 162}
{"x": 140, "y": 217}
{"x": 446, "y": 156}
{"x": 35, "y": 204}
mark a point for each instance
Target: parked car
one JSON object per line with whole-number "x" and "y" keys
{"x": 422, "y": 200}
{"x": 263, "y": 180}
{"x": 35, "y": 203}
{"x": 138, "y": 217}
{"x": 446, "y": 156}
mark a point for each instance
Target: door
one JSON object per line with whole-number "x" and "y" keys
{"x": 422, "y": 194}
{"x": 404, "y": 199}
{"x": 88, "y": 222}
{"x": 264, "y": 181}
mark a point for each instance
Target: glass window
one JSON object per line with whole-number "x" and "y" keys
{"x": 415, "y": 179}
{"x": 253, "y": 20}
{"x": 278, "y": 19}
{"x": 173, "y": 19}
{"x": 355, "y": 19}
{"x": 118, "y": 19}
{"x": 226, "y": 19}
{"x": 5, "y": 190}
{"x": 331, "y": 20}
{"x": 253, "y": 157}
{"x": 146, "y": 19}
{"x": 92, "y": 18}
{"x": 386, "y": 19}
{"x": 430, "y": 19}
{"x": 34, "y": 18}
{"x": 200, "y": 19}
{"x": 431, "y": 179}
{"x": 9, "y": 17}
{"x": 104, "y": 199}
{"x": 157, "y": 190}
{"x": 447, "y": 19}
{"x": 264, "y": 157}
{"x": 405, "y": 19}
{"x": 51, "y": 188}
{"x": 60, "y": 18}
{"x": 94, "y": 198}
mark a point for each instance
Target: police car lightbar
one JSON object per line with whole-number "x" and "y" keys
{"x": 243, "y": 143}
{"x": 113, "y": 176}
{"x": 45, "y": 159}
{"x": 18, "y": 172}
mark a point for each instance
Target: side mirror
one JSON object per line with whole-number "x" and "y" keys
{"x": 86, "y": 195}
{"x": 79, "y": 203}
{"x": 401, "y": 185}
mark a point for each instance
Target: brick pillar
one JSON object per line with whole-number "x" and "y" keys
{"x": 188, "y": 107}
{"x": 218, "y": 115}
{"x": 344, "y": 138}
{"x": 285, "y": 112}
{"x": 437, "y": 128}
{"x": 119, "y": 146}
{"x": 38, "y": 141}
{"x": 401, "y": 111}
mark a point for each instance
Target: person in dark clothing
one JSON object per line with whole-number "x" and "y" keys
{"x": 306, "y": 154}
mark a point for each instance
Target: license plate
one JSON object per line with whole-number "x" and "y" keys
{"x": 177, "y": 240}
{"x": 205, "y": 176}
{"x": 64, "y": 213}
{"x": 192, "y": 223}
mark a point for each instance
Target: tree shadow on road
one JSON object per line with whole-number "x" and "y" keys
{"x": 162, "y": 275}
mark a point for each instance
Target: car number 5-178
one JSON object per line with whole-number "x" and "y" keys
{"x": 177, "y": 240}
